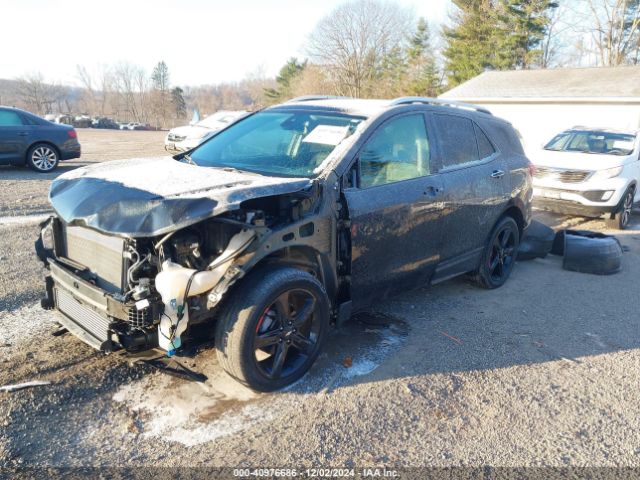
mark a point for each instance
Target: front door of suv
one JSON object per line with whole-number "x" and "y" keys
{"x": 474, "y": 176}
{"x": 395, "y": 210}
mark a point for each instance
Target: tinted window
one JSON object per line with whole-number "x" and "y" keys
{"x": 399, "y": 150}
{"x": 458, "y": 140}
{"x": 484, "y": 145}
{"x": 9, "y": 118}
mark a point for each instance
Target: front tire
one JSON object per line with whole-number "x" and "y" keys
{"x": 499, "y": 256}
{"x": 621, "y": 218}
{"x": 43, "y": 158}
{"x": 272, "y": 327}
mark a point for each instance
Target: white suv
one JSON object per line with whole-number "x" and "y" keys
{"x": 589, "y": 172}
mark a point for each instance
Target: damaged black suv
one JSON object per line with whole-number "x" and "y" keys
{"x": 281, "y": 224}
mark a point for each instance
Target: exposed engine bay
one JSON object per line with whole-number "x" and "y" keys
{"x": 156, "y": 287}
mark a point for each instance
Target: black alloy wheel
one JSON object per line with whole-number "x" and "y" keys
{"x": 500, "y": 255}
{"x": 272, "y": 327}
{"x": 286, "y": 334}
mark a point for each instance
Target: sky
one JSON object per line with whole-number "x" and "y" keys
{"x": 202, "y": 42}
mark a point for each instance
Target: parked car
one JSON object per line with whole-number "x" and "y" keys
{"x": 82, "y": 121}
{"x": 185, "y": 138}
{"x": 28, "y": 139}
{"x": 104, "y": 122}
{"x": 289, "y": 219}
{"x": 591, "y": 172}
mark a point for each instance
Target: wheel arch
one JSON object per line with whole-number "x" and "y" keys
{"x": 307, "y": 258}
{"x": 514, "y": 212}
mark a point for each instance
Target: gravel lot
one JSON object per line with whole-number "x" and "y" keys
{"x": 542, "y": 372}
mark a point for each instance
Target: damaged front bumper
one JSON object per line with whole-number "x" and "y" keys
{"x": 95, "y": 316}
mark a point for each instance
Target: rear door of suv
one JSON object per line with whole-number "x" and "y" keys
{"x": 474, "y": 176}
{"x": 395, "y": 208}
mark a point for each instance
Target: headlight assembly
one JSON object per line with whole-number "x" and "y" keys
{"x": 607, "y": 173}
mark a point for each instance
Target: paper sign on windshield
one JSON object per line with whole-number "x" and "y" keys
{"x": 623, "y": 144}
{"x": 327, "y": 134}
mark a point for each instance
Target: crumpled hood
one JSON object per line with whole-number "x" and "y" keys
{"x": 151, "y": 196}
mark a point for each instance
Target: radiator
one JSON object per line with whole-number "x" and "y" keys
{"x": 100, "y": 254}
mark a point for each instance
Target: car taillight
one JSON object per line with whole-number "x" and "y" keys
{"x": 72, "y": 134}
{"x": 532, "y": 169}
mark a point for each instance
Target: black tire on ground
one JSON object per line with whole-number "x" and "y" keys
{"x": 620, "y": 219}
{"x": 536, "y": 241}
{"x": 499, "y": 255}
{"x": 597, "y": 253}
{"x": 43, "y": 157}
{"x": 272, "y": 327}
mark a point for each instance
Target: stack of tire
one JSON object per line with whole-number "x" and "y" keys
{"x": 582, "y": 250}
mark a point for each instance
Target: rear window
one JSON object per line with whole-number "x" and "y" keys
{"x": 458, "y": 140}
{"x": 484, "y": 145}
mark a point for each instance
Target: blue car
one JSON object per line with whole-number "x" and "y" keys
{"x": 28, "y": 139}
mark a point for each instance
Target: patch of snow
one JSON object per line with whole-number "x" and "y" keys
{"x": 372, "y": 357}
{"x": 361, "y": 367}
{"x": 193, "y": 413}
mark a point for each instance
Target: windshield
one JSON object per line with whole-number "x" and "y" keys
{"x": 606, "y": 143}
{"x": 277, "y": 142}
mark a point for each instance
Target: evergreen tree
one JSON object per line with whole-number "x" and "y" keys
{"x": 160, "y": 77}
{"x": 496, "y": 35}
{"x": 524, "y": 24}
{"x": 470, "y": 41}
{"x": 423, "y": 77}
{"x": 287, "y": 74}
{"x": 160, "y": 80}
{"x": 179, "y": 105}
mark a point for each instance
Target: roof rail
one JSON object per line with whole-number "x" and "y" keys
{"x": 438, "y": 101}
{"x": 311, "y": 98}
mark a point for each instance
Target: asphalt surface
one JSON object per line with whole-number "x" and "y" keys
{"x": 541, "y": 372}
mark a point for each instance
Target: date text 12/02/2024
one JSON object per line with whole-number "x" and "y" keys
{"x": 317, "y": 472}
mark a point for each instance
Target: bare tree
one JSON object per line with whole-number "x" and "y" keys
{"x": 354, "y": 41}
{"x": 89, "y": 94}
{"x": 39, "y": 96}
{"x": 614, "y": 29}
{"x": 127, "y": 85}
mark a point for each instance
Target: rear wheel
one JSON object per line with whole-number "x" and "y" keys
{"x": 42, "y": 157}
{"x": 272, "y": 327}
{"x": 500, "y": 255}
{"x": 621, "y": 218}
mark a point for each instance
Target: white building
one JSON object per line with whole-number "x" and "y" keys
{"x": 541, "y": 103}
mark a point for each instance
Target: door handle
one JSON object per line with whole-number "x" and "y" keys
{"x": 23, "y": 134}
{"x": 497, "y": 174}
